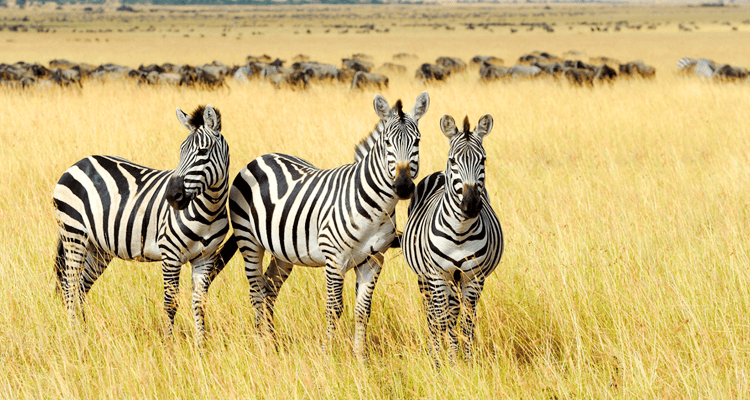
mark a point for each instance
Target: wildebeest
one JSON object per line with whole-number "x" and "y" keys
{"x": 356, "y": 64}
{"x": 317, "y": 71}
{"x": 477, "y": 61}
{"x": 391, "y": 67}
{"x": 362, "y": 80}
{"x": 431, "y": 72}
{"x": 605, "y": 73}
{"x": 292, "y": 80}
{"x": 452, "y": 64}
{"x": 637, "y": 69}
{"x": 405, "y": 56}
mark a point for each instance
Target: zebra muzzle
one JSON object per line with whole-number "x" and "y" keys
{"x": 404, "y": 184}
{"x": 471, "y": 204}
{"x": 176, "y": 195}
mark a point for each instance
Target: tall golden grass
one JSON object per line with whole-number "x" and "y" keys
{"x": 625, "y": 210}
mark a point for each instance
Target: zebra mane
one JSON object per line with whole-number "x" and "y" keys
{"x": 365, "y": 145}
{"x": 196, "y": 119}
{"x": 467, "y": 126}
{"x": 399, "y": 109}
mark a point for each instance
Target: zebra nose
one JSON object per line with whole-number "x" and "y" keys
{"x": 176, "y": 196}
{"x": 472, "y": 201}
{"x": 404, "y": 184}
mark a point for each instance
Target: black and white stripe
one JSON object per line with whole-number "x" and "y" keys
{"x": 340, "y": 218}
{"x": 452, "y": 239}
{"x": 701, "y": 67}
{"x": 108, "y": 207}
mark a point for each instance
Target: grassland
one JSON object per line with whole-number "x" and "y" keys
{"x": 625, "y": 210}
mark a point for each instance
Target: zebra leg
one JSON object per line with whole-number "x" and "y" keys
{"x": 276, "y": 274}
{"x": 334, "y": 300}
{"x": 470, "y": 297}
{"x": 96, "y": 263}
{"x": 170, "y": 269}
{"x": 437, "y": 315}
{"x": 203, "y": 274}
{"x": 367, "y": 277}
{"x": 452, "y": 313}
{"x": 252, "y": 253}
{"x": 76, "y": 251}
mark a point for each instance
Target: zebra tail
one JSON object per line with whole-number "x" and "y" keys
{"x": 396, "y": 243}
{"x": 59, "y": 266}
{"x": 226, "y": 252}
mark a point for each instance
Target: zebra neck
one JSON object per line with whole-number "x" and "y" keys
{"x": 211, "y": 202}
{"x": 450, "y": 214}
{"x": 373, "y": 182}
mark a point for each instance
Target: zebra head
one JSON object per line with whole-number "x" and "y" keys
{"x": 400, "y": 140}
{"x": 204, "y": 157}
{"x": 464, "y": 173}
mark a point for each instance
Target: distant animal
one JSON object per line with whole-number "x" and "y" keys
{"x": 605, "y": 73}
{"x": 431, "y": 72}
{"x": 357, "y": 64}
{"x": 452, "y": 64}
{"x": 453, "y": 239}
{"x": 108, "y": 207}
{"x": 393, "y": 68}
{"x": 477, "y": 61}
{"x": 338, "y": 218}
{"x": 362, "y": 80}
{"x": 405, "y": 56}
{"x": 637, "y": 69}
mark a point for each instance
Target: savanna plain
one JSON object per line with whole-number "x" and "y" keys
{"x": 625, "y": 207}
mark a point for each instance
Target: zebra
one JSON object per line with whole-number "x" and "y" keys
{"x": 109, "y": 207}
{"x": 340, "y": 218}
{"x": 701, "y": 67}
{"x": 452, "y": 239}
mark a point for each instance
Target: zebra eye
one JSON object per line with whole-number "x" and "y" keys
{"x": 452, "y": 161}
{"x": 387, "y": 141}
{"x": 203, "y": 151}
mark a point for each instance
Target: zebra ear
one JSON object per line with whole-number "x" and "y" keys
{"x": 381, "y": 107}
{"x": 448, "y": 126}
{"x": 420, "y": 107}
{"x": 484, "y": 126}
{"x": 184, "y": 119}
{"x": 211, "y": 119}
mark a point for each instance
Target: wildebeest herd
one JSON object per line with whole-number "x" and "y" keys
{"x": 357, "y": 71}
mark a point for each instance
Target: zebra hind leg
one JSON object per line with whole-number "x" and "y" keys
{"x": 276, "y": 274}
{"x": 367, "y": 277}
{"x": 76, "y": 250}
{"x": 96, "y": 263}
{"x": 252, "y": 253}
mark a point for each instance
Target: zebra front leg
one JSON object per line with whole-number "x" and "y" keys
{"x": 472, "y": 291}
{"x": 203, "y": 274}
{"x": 437, "y": 315}
{"x": 170, "y": 269}
{"x": 367, "y": 278}
{"x": 334, "y": 299}
{"x": 452, "y": 313}
{"x": 276, "y": 274}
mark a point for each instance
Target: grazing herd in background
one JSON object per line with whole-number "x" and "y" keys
{"x": 358, "y": 71}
